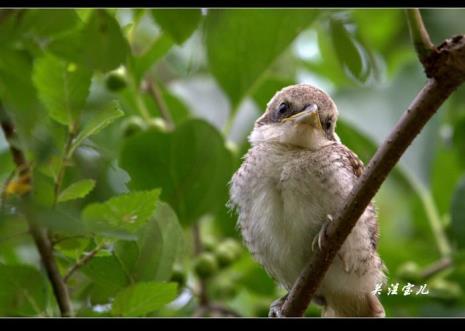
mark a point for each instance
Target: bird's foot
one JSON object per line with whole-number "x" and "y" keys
{"x": 322, "y": 235}
{"x": 276, "y": 307}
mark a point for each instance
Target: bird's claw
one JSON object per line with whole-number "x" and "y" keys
{"x": 276, "y": 307}
{"x": 321, "y": 236}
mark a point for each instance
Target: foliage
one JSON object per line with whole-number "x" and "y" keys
{"x": 134, "y": 120}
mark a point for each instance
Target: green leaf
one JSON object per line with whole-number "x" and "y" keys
{"x": 159, "y": 243}
{"x": 23, "y": 291}
{"x": 106, "y": 272}
{"x": 6, "y": 164}
{"x": 143, "y": 298}
{"x": 126, "y": 212}
{"x": 62, "y": 87}
{"x": 347, "y": 52}
{"x": 48, "y": 22}
{"x": 99, "y": 45}
{"x": 268, "y": 88}
{"x": 77, "y": 190}
{"x": 16, "y": 89}
{"x": 458, "y": 214}
{"x": 192, "y": 176}
{"x": 98, "y": 122}
{"x": 127, "y": 251}
{"x": 178, "y": 23}
{"x": 145, "y": 61}
{"x": 242, "y": 44}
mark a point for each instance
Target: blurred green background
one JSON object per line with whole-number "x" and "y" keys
{"x": 134, "y": 120}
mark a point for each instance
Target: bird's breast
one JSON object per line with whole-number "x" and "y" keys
{"x": 282, "y": 202}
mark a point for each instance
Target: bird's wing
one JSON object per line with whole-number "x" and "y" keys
{"x": 356, "y": 166}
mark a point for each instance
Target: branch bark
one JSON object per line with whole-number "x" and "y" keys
{"x": 445, "y": 68}
{"x": 39, "y": 234}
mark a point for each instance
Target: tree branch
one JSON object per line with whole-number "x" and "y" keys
{"x": 83, "y": 261}
{"x": 151, "y": 87}
{"x": 38, "y": 234}
{"x": 445, "y": 66}
{"x": 436, "y": 267}
{"x": 418, "y": 34}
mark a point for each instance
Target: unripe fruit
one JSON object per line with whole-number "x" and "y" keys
{"x": 116, "y": 80}
{"x": 205, "y": 265}
{"x": 225, "y": 256}
{"x": 157, "y": 123}
{"x": 132, "y": 125}
{"x": 209, "y": 244}
{"x": 232, "y": 245}
{"x": 224, "y": 289}
{"x": 178, "y": 276}
{"x": 410, "y": 272}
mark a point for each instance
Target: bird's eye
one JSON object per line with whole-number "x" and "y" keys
{"x": 283, "y": 108}
{"x": 328, "y": 124}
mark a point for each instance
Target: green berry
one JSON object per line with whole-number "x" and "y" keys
{"x": 224, "y": 289}
{"x": 410, "y": 272}
{"x": 232, "y": 245}
{"x": 225, "y": 256}
{"x": 157, "y": 124}
{"x": 116, "y": 81}
{"x": 205, "y": 265}
{"x": 133, "y": 125}
{"x": 178, "y": 276}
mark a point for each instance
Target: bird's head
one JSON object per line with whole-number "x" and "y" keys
{"x": 300, "y": 115}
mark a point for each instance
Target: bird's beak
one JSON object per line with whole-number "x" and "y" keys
{"x": 309, "y": 115}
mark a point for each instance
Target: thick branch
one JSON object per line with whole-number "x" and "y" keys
{"x": 446, "y": 68}
{"x": 38, "y": 234}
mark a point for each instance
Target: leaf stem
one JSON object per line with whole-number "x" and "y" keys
{"x": 63, "y": 164}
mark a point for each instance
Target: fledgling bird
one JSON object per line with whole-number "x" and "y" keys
{"x": 292, "y": 180}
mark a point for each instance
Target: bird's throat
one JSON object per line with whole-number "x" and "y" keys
{"x": 298, "y": 135}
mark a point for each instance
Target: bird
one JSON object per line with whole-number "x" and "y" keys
{"x": 292, "y": 180}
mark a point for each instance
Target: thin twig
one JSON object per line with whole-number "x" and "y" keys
{"x": 83, "y": 261}
{"x": 64, "y": 163}
{"x": 154, "y": 91}
{"x": 446, "y": 69}
{"x": 436, "y": 267}
{"x": 418, "y": 34}
{"x": 198, "y": 248}
{"x": 39, "y": 235}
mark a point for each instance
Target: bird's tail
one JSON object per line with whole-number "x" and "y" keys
{"x": 366, "y": 305}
